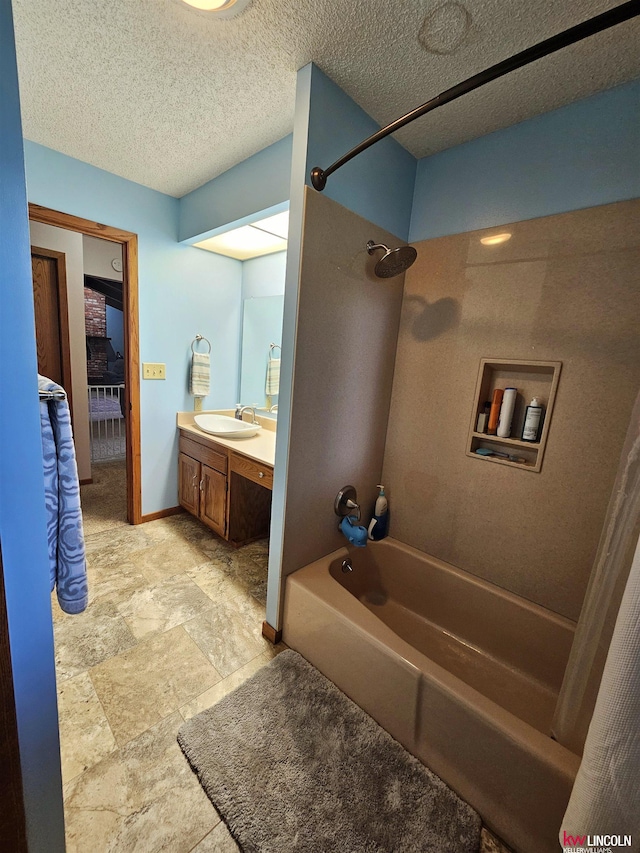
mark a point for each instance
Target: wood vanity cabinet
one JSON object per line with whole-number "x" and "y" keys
{"x": 202, "y": 483}
{"x": 226, "y": 490}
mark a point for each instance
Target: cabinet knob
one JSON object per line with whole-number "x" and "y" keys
{"x": 260, "y": 474}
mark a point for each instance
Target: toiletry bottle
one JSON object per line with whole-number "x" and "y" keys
{"x": 379, "y": 524}
{"x": 532, "y": 421}
{"x": 496, "y": 402}
{"x": 483, "y": 418}
{"x": 506, "y": 412}
{"x": 238, "y": 414}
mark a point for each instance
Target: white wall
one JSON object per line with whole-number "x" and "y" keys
{"x": 69, "y": 242}
{"x": 98, "y": 255}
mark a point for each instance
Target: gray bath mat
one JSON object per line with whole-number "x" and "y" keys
{"x": 292, "y": 764}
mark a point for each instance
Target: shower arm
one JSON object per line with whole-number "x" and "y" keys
{"x": 614, "y": 16}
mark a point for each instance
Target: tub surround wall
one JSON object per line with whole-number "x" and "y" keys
{"x": 562, "y": 288}
{"x": 350, "y": 360}
{"x": 348, "y": 322}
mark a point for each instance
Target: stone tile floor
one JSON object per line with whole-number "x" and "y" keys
{"x": 173, "y": 624}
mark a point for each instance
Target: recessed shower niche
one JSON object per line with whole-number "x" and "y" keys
{"x": 532, "y": 379}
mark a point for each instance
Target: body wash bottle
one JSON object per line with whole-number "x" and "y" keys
{"x": 379, "y": 524}
{"x": 532, "y": 421}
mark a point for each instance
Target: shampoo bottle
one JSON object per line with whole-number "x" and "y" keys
{"x": 532, "y": 421}
{"x": 379, "y": 524}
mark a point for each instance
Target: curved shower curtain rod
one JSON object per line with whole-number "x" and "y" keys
{"x": 614, "y": 16}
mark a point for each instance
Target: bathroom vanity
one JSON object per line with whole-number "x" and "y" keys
{"x": 227, "y": 483}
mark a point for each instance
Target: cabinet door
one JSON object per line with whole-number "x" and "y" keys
{"x": 189, "y": 483}
{"x": 213, "y": 499}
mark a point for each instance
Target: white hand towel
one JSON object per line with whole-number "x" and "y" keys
{"x": 200, "y": 374}
{"x": 273, "y": 377}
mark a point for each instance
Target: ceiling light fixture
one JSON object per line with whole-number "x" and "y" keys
{"x": 495, "y": 239}
{"x": 222, "y": 8}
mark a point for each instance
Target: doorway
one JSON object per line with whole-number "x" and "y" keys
{"x": 128, "y": 243}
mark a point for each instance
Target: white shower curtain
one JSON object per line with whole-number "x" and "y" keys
{"x": 601, "y": 606}
{"x": 606, "y": 795}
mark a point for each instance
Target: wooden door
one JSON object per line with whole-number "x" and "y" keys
{"x": 189, "y": 483}
{"x": 52, "y": 316}
{"x": 213, "y": 499}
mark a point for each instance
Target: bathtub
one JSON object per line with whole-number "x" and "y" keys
{"x": 462, "y": 673}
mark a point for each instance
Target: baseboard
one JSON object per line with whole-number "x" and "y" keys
{"x": 269, "y": 633}
{"x": 86, "y": 482}
{"x": 162, "y": 513}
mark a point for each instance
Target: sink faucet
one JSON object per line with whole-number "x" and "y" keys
{"x": 274, "y": 408}
{"x": 252, "y": 409}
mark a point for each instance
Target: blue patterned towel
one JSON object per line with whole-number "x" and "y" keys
{"x": 67, "y": 563}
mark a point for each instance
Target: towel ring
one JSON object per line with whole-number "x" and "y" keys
{"x": 200, "y": 338}
{"x": 275, "y": 346}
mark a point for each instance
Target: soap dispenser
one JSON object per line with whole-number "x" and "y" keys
{"x": 379, "y": 524}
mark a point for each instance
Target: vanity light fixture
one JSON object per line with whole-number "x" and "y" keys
{"x": 263, "y": 237}
{"x": 222, "y": 8}
{"x": 495, "y": 239}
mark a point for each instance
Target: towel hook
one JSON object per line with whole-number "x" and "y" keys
{"x": 200, "y": 338}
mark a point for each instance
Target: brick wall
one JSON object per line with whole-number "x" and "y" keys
{"x": 95, "y": 313}
{"x": 95, "y": 320}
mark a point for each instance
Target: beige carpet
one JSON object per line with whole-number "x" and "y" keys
{"x": 104, "y": 501}
{"x": 292, "y": 764}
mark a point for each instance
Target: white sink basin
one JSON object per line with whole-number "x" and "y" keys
{"x": 225, "y": 427}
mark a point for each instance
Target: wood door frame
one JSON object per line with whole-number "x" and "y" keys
{"x": 63, "y": 315}
{"x": 129, "y": 243}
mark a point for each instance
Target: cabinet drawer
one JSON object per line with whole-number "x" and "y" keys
{"x": 256, "y": 471}
{"x": 216, "y": 459}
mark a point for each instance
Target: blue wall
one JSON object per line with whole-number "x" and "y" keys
{"x": 22, "y": 513}
{"x": 582, "y": 155}
{"x": 183, "y": 291}
{"x": 377, "y": 184}
{"x": 259, "y": 183}
{"x": 264, "y": 276}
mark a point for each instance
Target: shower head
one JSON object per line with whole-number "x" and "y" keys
{"x": 394, "y": 261}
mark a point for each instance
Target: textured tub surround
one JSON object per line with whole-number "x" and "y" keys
{"x": 348, "y": 319}
{"x": 563, "y": 288}
{"x": 227, "y": 482}
{"x": 462, "y": 673}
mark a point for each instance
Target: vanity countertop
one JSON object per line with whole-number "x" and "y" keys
{"x": 260, "y": 447}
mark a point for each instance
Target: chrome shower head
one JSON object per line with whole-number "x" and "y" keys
{"x": 394, "y": 261}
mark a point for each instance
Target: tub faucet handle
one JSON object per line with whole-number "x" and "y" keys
{"x": 346, "y": 501}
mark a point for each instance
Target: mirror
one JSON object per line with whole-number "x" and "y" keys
{"x": 261, "y": 327}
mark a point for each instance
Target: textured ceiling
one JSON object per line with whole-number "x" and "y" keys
{"x": 159, "y": 93}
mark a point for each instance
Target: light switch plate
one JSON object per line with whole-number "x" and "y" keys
{"x": 153, "y": 370}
